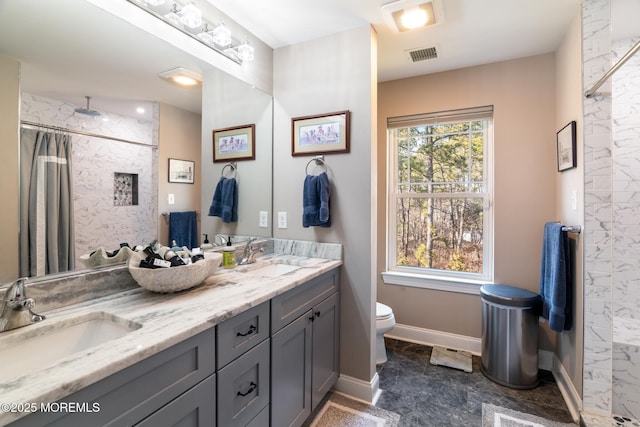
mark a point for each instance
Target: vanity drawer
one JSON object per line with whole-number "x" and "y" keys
{"x": 242, "y": 333}
{"x": 244, "y": 387}
{"x": 289, "y": 306}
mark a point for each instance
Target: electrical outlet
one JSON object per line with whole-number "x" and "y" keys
{"x": 171, "y": 199}
{"x": 282, "y": 220}
{"x": 264, "y": 219}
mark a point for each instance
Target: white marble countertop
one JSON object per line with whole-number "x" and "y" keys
{"x": 166, "y": 319}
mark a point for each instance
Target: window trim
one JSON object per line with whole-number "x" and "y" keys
{"x": 454, "y": 281}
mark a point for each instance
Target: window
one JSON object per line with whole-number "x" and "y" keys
{"x": 439, "y": 199}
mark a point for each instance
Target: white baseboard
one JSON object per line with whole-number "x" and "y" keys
{"x": 431, "y": 337}
{"x": 569, "y": 393}
{"x": 364, "y": 391}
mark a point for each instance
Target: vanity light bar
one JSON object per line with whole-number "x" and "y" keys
{"x": 198, "y": 29}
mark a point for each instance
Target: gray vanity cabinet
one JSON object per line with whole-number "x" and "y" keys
{"x": 304, "y": 348}
{"x": 128, "y": 397}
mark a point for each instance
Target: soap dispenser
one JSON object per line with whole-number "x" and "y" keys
{"x": 229, "y": 255}
{"x": 205, "y": 244}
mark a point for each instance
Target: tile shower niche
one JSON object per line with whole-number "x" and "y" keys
{"x": 125, "y": 189}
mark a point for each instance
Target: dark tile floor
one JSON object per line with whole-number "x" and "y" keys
{"x": 426, "y": 395}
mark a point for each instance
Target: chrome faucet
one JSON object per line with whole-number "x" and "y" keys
{"x": 17, "y": 308}
{"x": 248, "y": 257}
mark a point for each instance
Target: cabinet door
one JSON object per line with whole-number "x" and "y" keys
{"x": 243, "y": 387}
{"x": 291, "y": 373}
{"x": 326, "y": 343}
{"x": 197, "y": 407}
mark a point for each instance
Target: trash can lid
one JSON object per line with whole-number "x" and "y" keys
{"x": 509, "y": 295}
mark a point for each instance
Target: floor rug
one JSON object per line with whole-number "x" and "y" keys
{"x": 456, "y": 359}
{"x": 496, "y": 416}
{"x": 340, "y": 411}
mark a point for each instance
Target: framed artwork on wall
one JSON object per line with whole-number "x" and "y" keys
{"x": 320, "y": 134}
{"x": 181, "y": 171}
{"x": 566, "y": 147}
{"x": 234, "y": 143}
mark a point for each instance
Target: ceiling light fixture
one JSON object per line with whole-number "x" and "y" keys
{"x": 182, "y": 77}
{"x": 405, "y": 15}
{"x": 185, "y": 16}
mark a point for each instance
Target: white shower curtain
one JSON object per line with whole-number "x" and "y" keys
{"x": 46, "y": 203}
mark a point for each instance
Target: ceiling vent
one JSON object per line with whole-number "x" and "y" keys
{"x": 418, "y": 55}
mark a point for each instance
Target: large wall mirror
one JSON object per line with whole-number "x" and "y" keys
{"x": 73, "y": 49}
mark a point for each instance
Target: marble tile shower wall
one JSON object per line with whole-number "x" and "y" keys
{"x": 598, "y": 238}
{"x": 626, "y": 231}
{"x": 98, "y": 222}
{"x": 626, "y": 183}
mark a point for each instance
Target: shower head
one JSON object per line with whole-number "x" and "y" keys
{"x": 87, "y": 111}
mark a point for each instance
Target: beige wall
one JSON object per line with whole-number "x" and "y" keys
{"x": 523, "y": 95}
{"x": 329, "y": 74}
{"x": 569, "y": 345}
{"x": 179, "y": 137}
{"x": 9, "y": 185}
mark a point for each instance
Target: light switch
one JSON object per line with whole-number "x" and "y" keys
{"x": 171, "y": 199}
{"x": 282, "y": 220}
{"x": 264, "y": 219}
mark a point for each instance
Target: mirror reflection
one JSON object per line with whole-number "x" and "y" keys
{"x": 118, "y": 158}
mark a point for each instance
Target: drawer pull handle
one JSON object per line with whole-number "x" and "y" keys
{"x": 252, "y": 387}
{"x": 251, "y": 330}
{"x": 317, "y": 313}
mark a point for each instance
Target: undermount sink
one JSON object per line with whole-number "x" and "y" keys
{"x": 273, "y": 270}
{"x": 41, "y": 345}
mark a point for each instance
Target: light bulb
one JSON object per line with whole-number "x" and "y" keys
{"x": 245, "y": 51}
{"x": 173, "y": 17}
{"x": 221, "y": 35}
{"x": 414, "y": 18}
{"x": 191, "y": 16}
{"x": 205, "y": 35}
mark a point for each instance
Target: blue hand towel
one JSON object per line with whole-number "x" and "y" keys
{"x": 229, "y": 200}
{"x": 315, "y": 201}
{"x": 183, "y": 228}
{"x": 225, "y": 200}
{"x": 555, "y": 278}
{"x": 216, "y": 204}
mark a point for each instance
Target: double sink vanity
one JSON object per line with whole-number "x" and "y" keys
{"x": 255, "y": 345}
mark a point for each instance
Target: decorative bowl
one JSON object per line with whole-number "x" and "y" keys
{"x": 174, "y": 279}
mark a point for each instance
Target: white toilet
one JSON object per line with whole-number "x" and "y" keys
{"x": 385, "y": 321}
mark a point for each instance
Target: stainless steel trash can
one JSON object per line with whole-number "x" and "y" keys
{"x": 510, "y": 335}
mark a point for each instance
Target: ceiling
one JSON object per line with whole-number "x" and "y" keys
{"x": 70, "y": 48}
{"x": 473, "y": 32}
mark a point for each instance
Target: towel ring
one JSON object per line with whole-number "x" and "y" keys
{"x": 233, "y": 167}
{"x": 319, "y": 161}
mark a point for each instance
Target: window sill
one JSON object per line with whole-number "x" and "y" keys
{"x": 463, "y": 286}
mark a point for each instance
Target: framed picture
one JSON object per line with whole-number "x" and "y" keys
{"x": 325, "y": 133}
{"x": 181, "y": 171}
{"x": 566, "y": 140}
{"x": 235, "y": 143}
